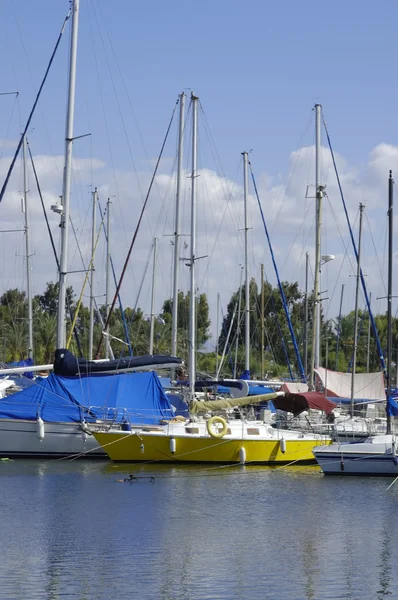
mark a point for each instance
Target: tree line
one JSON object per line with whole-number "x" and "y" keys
{"x": 14, "y": 326}
{"x": 278, "y": 348}
{"x": 337, "y": 339}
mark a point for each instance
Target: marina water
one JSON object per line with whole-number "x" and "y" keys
{"x": 73, "y": 529}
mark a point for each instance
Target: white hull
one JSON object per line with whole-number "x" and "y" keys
{"x": 375, "y": 456}
{"x": 20, "y": 438}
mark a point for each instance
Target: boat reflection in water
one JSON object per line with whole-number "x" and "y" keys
{"x": 250, "y": 532}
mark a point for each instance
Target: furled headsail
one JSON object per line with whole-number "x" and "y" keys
{"x": 68, "y": 365}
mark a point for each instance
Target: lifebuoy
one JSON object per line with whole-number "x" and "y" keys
{"x": 216, "y": 433}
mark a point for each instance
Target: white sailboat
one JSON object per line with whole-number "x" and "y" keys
{"x": 377, "y": 455}
{"x": 31, "y": 437}
{"x": 50, "y": 418}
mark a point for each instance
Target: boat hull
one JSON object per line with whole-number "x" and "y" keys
{"x": 19, "y": 438}
{"x": 374, "y": 457}
{"x": 122, "y": 447}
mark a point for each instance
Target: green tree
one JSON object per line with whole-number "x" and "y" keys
{"x": 202, "y": 321}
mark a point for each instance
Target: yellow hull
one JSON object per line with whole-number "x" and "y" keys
{"x": 151, "y": 447}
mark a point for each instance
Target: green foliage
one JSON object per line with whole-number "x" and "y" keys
{"x": 202, "y": 321}
{"x": 14, "y": 326}
{"x": 277, "y": 338}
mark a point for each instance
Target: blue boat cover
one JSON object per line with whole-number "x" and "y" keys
{"x": 28, "y": 362}
{"x": 136, "y": 397}
{"x": 256, "y": 390}
{"x": 245, "y": 375}
{"x": 339, "y": 400}
{"x": 392, "y": 406}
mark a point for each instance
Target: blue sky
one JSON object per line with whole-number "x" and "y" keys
{"x": 258, "y": 67}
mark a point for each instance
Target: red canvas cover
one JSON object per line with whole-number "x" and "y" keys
{"x": 296, "y": 403}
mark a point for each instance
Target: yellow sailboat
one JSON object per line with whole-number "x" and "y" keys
{"x": 208, "y": 436}
{"x": 213, "y": 439}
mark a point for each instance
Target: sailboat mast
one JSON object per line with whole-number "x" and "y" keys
{"x": 238, "y": 324}
{"x": 63, "y": 268}
{"x": 247, "y": 290}
{"x": 339, "y": 328}
{"x": 316, "y": 321}
{"x": 92, "y": 295}
{"x": 192, "y": 319}
{"x": 305, "y": 358}
{"x": 217, "y": 326}
{"x": 152, "y": 331}
{"x": 389, "y": 291}
{"x": 108, "y": 273}
{"x": 262, "y": 323}
{"x": 354, "y": 359}
{"x": 368, "y": 345}
{"x": 28, "y": 252}
{"x": 176, "y": 269}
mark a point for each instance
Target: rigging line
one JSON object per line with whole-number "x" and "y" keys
{"x": 106, "y": 28}
{"x": 213, "y": 146}
{"x": 289, "y": 322}
{"x": 225, "y": 331}
{"x": 136, "y": 231}
{"x": 142, "y": 281}
{"x": 229, "y": 198}
{"x": 84, "y": 267}
{"x": 270, "y": 300}
{"x": 117, "y": 100}
{"x": 90, "y": 267}
{"x": 282, "y": 338}
{"x": 346, "y": 255}
{"x": 10, "y": 170}
{"x": 126, "y": 331}
{"x": 43, "y": 206}
{"x": 223, "y": 178}
{"x": 53, "y": 245}
{"x": 127, "y": 137}
{"x": 363, "y": 315}
{"x": 40, "y": 109}
{"x": 379, "y": 348}
{"x": 106, "y": 126}
{"x": 279, "y": 199}
{"x": 295, "y": 239}
{"x": 15, "y": 103}
{"x": 376, "y": 253}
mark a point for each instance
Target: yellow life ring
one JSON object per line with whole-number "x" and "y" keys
{"x": 216, "y": 433}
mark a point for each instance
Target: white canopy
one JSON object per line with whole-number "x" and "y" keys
{"x": 367, "y": 386}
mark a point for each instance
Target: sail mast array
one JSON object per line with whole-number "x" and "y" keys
{"x": 28, "y": 251}
{"x": 280, "y": 287}
{"x": 193, "y": 257}
{"x": 316, "y": 322}
{"x": 389, "y": 291}
{"x": 153, "y": 293}
{"x": 177, "y": 234}
{"x": 63, "y": 263}
{"x": 247, "y": 279}
{"x": 92, "y": 273}
{"x": 375, "y": 332}
{"x": 354, "y": 360}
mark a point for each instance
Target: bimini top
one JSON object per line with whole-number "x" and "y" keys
{"x": 368, "y": 386}
{"x": 296, "y": 403}
{"x": 68, "y": 365}
{"x": 138, "y": 396}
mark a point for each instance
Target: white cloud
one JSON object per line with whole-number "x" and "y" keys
{"x": 289, "y": 215}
